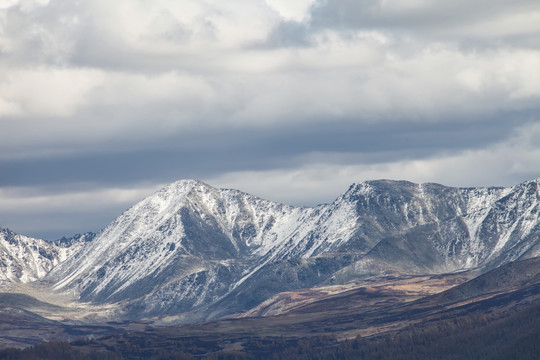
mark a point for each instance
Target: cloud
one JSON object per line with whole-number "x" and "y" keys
{"x": 505, "y": 163}
{"x": 291, "y": 10}
{"x": 48, "y": 92}
{"x": 287, "y": 34}
{"x": 51, "y": 212}
{"x": 460, "y": 21}
{"x": 211, "y": 152}
{"x": 345, "y": 86}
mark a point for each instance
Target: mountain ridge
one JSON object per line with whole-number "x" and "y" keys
{"x": 192, "y": 248}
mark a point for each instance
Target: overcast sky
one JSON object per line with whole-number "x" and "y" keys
{"x": 103, "y": 102}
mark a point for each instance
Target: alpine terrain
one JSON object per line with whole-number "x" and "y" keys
{"x": 192, "y": 252}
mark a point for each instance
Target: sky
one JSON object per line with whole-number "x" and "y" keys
{"x": 104, "y": 102}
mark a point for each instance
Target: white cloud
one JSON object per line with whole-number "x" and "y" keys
{"x": 291, "y": 10}
{"x": 5, "y": 4}
{"x": 49, "y": 92}
{"x": 172, "y": 26}
{"x": 360, "y": 80}
{"x": 9, "y": 107}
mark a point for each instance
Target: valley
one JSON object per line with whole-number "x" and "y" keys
{"x": 352, "y": 322}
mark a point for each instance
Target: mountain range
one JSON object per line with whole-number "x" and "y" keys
{"x": 191, "y": 252}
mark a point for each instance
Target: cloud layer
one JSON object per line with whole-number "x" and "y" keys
{"x": 289, "y": 101}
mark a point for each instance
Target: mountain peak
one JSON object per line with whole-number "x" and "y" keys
{"x": 373, "y": 187}
{"x": 533, "y": 182}
{"x": 182, "y": 187}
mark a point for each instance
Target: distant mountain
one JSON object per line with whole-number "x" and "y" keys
{"x": 206, "y": 252}
{"x": 75, "y": 239}
{"x": 25, "y": 259}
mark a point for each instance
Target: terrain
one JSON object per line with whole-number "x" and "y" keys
{"x": 384, "y": 256}
{"x": 492, "y": 316}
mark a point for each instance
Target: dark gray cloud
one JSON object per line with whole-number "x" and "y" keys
{"x": 461, "y": 18}
{"x": 211, "y": 152}
{"x": 478, "y": 24}
{"x": 287, "y": 33}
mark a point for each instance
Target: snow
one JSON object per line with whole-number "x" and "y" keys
{"x": 25, "y": 259}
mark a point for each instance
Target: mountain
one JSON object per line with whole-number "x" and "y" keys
{"x": 75, "y": 239}
{"x": 25, "y": 259}
{"x": 206, "y": 252}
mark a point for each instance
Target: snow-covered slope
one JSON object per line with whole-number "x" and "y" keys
{"x": 192, "y": 247}
{"x": 24, "y": 259}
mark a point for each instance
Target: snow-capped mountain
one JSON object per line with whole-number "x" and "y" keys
{"x": 194, "y": 248}
{"x": 75, "y": 240}
{"x": 25, "y": 259}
